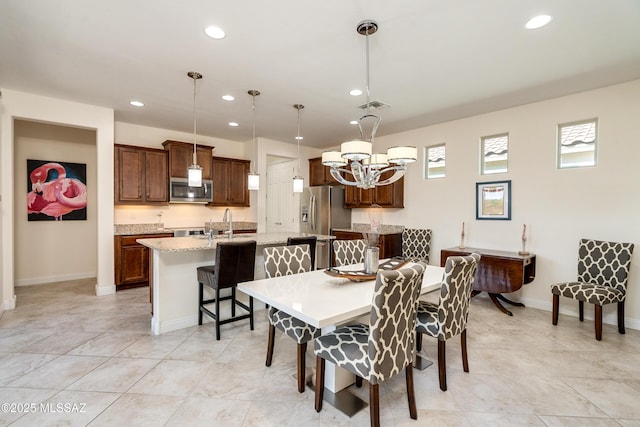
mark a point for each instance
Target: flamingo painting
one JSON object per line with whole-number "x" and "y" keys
{"x": 57, "y": 191}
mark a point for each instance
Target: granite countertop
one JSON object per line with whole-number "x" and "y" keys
{"x": 197, "y": 243}
{"x": 158, "y": 228}
{"x": 366, "y": 228}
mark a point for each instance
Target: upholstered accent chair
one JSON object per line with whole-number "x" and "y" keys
{"x": 235, "y": 263}
{"x": 282, "y": 261}
{"x": 416, "y": 244}
{"x": 309, "y": 240}
{"x": 378, "y": 351}
{"x": 346, "y": 252}
{"x": 448, "y": 318}
{"x": 603, "y": 270}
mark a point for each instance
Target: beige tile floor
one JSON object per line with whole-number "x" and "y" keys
{"x": 96, "y": 358}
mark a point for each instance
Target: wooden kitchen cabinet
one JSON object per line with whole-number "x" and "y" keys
{"x": 386, "y": 196}
{"x": 132, "y": 260}
{"x": 140, "y": 176}
{"x": 320, "y": 174}
{"x": 181, "y": 157}
{"x": 390, "y": 245}
{"x": 230, "y": 182}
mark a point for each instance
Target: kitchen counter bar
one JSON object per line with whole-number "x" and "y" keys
{"x": 174, "y": 283}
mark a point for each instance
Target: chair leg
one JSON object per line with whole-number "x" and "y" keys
{"x": 358, "y": 381}
{"x": 442, "y": 364}
{"x": 200, "y": 299}
{"x": 218, "y": 314}
{"x": 463, "y": 343}
{"x": 233, "y": 302}
{"x": 621, "y": 317}
{"x": 302, "y": 351}
{"x": 411, "y": 396}
{"x": 581, "y": 310}
{"x": 251, "y": 313}
{"x": 319, "y": 382}
{"x": 374, "y": 405}
{"x": 598, "y": 320}
{"x": 270, "y": 344}
{"x": 418, "y": 341}
{"x": 556, "y": 304}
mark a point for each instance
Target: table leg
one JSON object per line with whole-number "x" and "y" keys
{"x": 508, "y": 301}
{"x": 494, "y": 298}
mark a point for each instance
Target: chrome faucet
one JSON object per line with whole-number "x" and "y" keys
{"x": 228, "y": 217}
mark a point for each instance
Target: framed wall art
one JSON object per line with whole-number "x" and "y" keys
{"x": 493, "y": 200}
{"x": 56, "y": 191}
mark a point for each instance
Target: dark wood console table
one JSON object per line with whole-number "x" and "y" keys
{"x": 498, "y": 272}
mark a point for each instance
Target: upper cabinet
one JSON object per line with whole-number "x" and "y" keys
{"x": 181, "y": 157}
{"x": 230, "y": 182}
{"x": 140, "y": 175}
{"x": 386, "y": 196}
{"x": 320, "y": 174}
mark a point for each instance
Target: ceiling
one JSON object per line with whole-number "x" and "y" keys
{"x": 431, "y": 60}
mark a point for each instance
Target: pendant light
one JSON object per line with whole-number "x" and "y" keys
{"x": 298, "y": 181}
{"x": 253, "y": 179}
{"x": 365, "y": 167}
{"x": 194, "y": 172}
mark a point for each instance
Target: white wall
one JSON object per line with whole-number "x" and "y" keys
{"x": 558, "y": 206}
{"x": 53, "y": 251}
{"x": 25, "y": 106}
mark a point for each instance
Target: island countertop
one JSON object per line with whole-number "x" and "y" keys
{"x": 201, "y": 242}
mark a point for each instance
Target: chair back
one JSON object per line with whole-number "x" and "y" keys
{"x": 235, "y": 263}
{"x": 346, "y": 252}
{"x": 604, "y": 263}
{"x": 309, "y": 240}
{"x": 416, "y": 243}
{"x": 455, "y": 294}
{"x": 285, "y": 260}
{"x": 393, "y": 321}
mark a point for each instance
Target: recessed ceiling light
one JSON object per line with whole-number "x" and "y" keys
{"x": 137, "y": 103}
{"x": 355, "y": 92}
{"x": 233, "y": 124}
{"x": 214, "y": 32}
{"x": 228, "y": 97}
{"x": 537, "y": 22}
{"x": 353, "y": 122}
{"x": 300, "y": 137}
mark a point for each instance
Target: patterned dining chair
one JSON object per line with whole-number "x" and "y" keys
{"x": 448, "y": 318}
{"x": 235, "y": 263}
{"x": 378, "y": 351}
{"x": 347, "y": 252}
{"x": 416, "y": 244}
{"x": 283, "y": 261}
{"x": 603, "y": 270}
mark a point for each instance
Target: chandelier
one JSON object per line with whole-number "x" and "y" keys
{"x": 365, "y": 167}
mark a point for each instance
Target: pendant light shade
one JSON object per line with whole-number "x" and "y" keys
{"x": 298, "y": 181}
{"x": 194, "y": 172}
{"x": 253, "y": 179}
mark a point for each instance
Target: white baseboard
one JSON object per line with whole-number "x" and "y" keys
{"x": 572, "y": 310}
{"x": 54, "y": 279}
{"x": 9, "y": 304}
{"x": 158, "y": 328}
{"x": 105, "y": 290}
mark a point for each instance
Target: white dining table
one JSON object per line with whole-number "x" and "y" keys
{"x": 326, "y": 302}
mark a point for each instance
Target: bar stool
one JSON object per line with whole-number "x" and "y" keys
{"x": 235, "y": 262}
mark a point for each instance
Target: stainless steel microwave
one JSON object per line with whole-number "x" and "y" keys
{"x": 180, "y": 192}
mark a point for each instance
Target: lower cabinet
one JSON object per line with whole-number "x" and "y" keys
{"x": 390, "y": 244}
{"x": 132, "y": 260}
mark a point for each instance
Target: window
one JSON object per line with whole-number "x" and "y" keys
{"x": 494, "y": 154}
{"x": 435, "y": 161}
{"x": 577, "y": 144}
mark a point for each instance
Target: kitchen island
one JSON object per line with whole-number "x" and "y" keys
{"x": 174, "y": 281}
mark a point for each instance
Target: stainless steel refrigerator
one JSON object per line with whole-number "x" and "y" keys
{"x": 322, "y": 210}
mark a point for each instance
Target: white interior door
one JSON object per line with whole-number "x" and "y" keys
{"x": 283, "y": 205}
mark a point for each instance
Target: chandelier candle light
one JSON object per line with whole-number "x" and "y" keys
{"x": 298, "y": 181}
{"x": 194, "y": 172}
{"x": 253, "y": 179}
{"x": 365, "y": 167}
